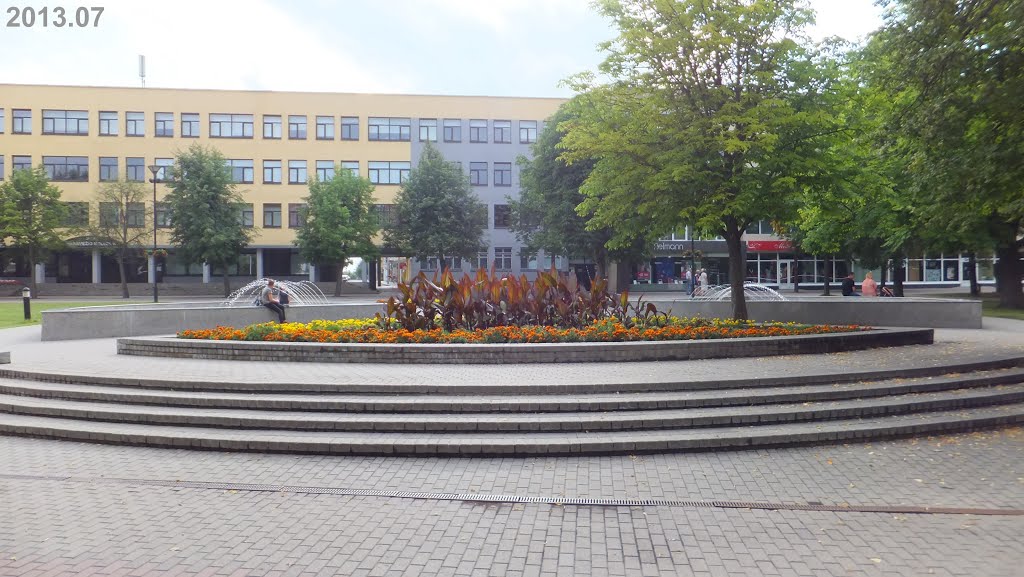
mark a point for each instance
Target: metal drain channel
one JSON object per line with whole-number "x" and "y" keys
{"x": 514, "y": 499}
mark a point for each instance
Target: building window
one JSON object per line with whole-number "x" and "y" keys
{"x": 478, "y": 173}
{"x": 108, "y": 124}
{"x": 271, "y": 216}
{"x": 389, "y": 172}
{"x": 453, "y": 262}
{"x": 452, "y": 130}
{"x": 109, "y": 214}
{"x": 135, "y": 169}
{"x": 135, "y": 123}
{"x": 246, "y": 215}
{"x": 324, "y": 170}
{"x": 325, "y": 128}
{"x": 3, "y": 119}
{"x": 231, "y": 126}
{"x": 390, "y": 129}
{"x": 502, "y": 174}
{"x": 428, "y": 130}
{"x": 66, "y": 122}
{"x": 527, "y": 131}
{"x": 295, "y": 215}
{"x": 297, "y": 172}
{"x": 386, "y": 214}
{"x": 350, "y": 128}
{"x": 527, "y": 261}
{"x": 164, "y": 124}
{"x": 503, "y": 258}
{"x": 478, "y": 131}
{"x": 296, "y": 127}
{"x": 481, "y": 260}
{"x": 21, "y": 162}
{"x": 241, "y": 170}
{"x": 271, "y": 126}
{"x": 108, "y": 168}
{"x": 67, "y": 168}
{"x": 135, "y": 216}
{"x": 271, "y": 172}
{"x": 22, "y": 121}
{"x": 351, "y": 165}
{"x": 1, "y": 167}
{"x": 77, "y": 214}
{"x": 501, "y": 215}
{"x": 163, "y": 215}
{"x": 190, "y": 125}
{"x": 164, "y": 164}
{"x": 503, "y": 131}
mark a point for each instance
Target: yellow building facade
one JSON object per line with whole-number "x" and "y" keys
{"x": 275, "y": 141}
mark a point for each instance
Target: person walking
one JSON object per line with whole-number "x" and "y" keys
{"x": 269, "y": 300}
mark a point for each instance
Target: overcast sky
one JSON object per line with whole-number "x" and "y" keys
{"x": 478, "y": 47}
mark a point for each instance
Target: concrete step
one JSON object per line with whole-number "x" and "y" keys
{"x": 521, "y": 443}
{"x": 506, "y": 403}
{"x": 563, "y": 421}
{"x": 517, "y": 389}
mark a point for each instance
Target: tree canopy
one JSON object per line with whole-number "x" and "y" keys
{"x": 712, "y": 117}
{"x": 31, "y": 214}
{"x": 206, "y": 210}
{"x": 438, "y": 214}
{"x": 124, "y": 225}
{"x": 338, "y": 222}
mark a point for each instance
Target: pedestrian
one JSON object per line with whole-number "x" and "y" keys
{"x": 848, "y": 286}
{"x": 869, "y": 287}
{"x": 269, "y": 300}
{"x": 703, "y": 281}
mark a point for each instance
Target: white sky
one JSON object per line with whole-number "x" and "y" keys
{"x": 480, "y": 47}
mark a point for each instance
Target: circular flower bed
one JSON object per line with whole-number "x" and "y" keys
{"x": 607, "y": 330}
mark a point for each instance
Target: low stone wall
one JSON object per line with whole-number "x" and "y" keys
{"x": 520, "y": 353}
{"x": 138, "y": 320}
{"x": 875, "y": 312}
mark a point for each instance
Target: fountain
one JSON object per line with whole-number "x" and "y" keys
{"x": 751, "y": 291}
{"x": 299, "y": 293}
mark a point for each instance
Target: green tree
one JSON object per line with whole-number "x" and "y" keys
{"x": 205, "y": 209}
{"x": 31, "y": 214}
{"x": 338, "y": 222}
{"x": 545, "y": 216}
{"x": 712, "y": 117}
{"x": 437, "y": 212}
{"x": 124, "y": 223}
{"x": 953, "y": 73}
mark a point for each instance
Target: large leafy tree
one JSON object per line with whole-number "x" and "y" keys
{"x": 31, "y": 214}
{"x": 123, "y": 226}
{"x": 338, "y": 222}
{"x": 711, "y": 117}
{"x": 953, "y": 73}
{"x": 544, "y": 217}
{"x": 205, "y": 210}
{"x": 437, "y": 212}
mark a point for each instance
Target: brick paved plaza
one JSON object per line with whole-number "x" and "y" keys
{"x": 85, "y": 509}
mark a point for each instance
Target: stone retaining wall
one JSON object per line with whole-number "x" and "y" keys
{"x": 520, "y": 353}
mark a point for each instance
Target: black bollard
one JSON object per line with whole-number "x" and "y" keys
{"x": 26, "y": 300}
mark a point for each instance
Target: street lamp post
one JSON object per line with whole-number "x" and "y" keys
{"x": 155, "y": 169}
{"x": 693, "y": 265}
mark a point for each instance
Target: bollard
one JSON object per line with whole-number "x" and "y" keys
{"x": 26, "y": 299}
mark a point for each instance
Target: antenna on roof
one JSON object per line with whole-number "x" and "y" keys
{"x": 142, "y": 69}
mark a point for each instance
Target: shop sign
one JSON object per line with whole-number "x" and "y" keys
{"x": 769, "y": 245}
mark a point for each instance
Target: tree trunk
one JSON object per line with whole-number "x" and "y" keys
{"x": 828, "y": 276}
{"x": 884, "y": 276}
{"x": 795, "y": 272}
{"x": 124, "y": 278}
{"x": 227, "y": 281}
{"x": 737, "y": 269}
{"x": 1008, "y": 276}
{"x": 32, "y": 270}
{"x": 339, "y": 278}
{"x": 972, "y": 273}
{"x": 898, "y": 273}
{"x": 601, "y": 263}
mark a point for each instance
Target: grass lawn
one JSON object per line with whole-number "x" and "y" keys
{"x": 12, "y": 313}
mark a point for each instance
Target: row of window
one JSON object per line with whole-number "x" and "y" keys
{"x": 76, "y": 169}
{"x": 397, "y": 129}
{"x": 502, "y": 261}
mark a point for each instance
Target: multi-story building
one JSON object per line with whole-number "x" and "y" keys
{"x": 275, "y": 143}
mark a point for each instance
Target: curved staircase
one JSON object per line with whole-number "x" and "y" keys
{"x": 528, "y": 419}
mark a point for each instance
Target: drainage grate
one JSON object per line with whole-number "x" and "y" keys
{"x": 514, "y": 499}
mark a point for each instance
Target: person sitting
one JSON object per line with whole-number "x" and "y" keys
{"x": 869, "y": 287}
{"x": 269, "y": 300}
{"x": 848, "y": 286}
